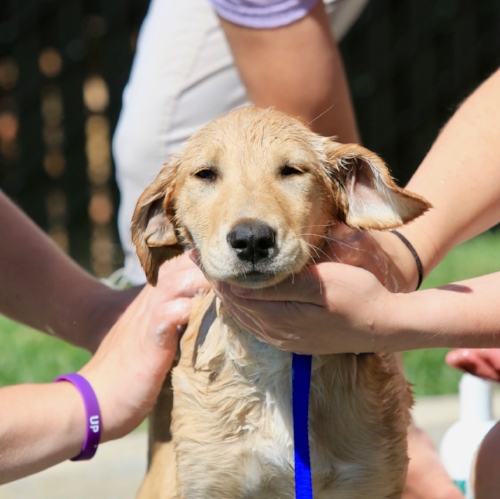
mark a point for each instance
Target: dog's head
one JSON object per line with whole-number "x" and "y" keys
{"x": 254, "y": 192}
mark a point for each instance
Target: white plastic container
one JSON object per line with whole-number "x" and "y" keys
{"x": 461, "y": 441}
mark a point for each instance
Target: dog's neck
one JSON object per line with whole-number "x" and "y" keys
{"x": 222, "y": 344}
{"x": 221, "y": 340}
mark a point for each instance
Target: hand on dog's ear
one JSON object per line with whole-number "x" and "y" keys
{"x": 371, "y": 198}
{"x": 153, "y": 230}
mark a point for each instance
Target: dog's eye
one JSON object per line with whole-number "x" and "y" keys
{"x": 206, "y": 174}
{"x": 288, "y": 170}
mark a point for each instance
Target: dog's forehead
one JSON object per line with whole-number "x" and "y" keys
{"x": 250, "y": 132}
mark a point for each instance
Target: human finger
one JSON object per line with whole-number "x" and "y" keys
{"x": 492, "y": 355}
{"x": 187, "y": 281}
{"x": 246, "y": 317}
{"x": 475, "y": 361}
{"x": 325, "y": 285}
{"x": 276, "y": 323}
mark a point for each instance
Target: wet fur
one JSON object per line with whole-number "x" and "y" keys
{"x": 232, "y": 419}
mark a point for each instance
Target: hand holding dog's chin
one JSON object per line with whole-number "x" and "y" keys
{"x": 328, "y": 308}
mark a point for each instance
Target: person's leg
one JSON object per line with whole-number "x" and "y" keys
{"x": 427, "y": 478}
{"x": 486, "y": 481}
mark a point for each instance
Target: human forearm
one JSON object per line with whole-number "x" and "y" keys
{"x": 460, "y": 177}
{"x": 45, "y": 289}
{"x": 463, "y": 314}
{"x": 53, "y": 431}
{"x": 42, "y": 425}
{"x": 297, "y": 69}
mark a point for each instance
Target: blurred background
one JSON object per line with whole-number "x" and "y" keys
{"x": 63, "y": 66}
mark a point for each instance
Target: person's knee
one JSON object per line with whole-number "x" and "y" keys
{"x": 487, "y": 466}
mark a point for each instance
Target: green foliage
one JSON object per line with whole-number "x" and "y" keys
{"x": 28, "y": 356}
{"x": 474, "y": 258}
{"x": 426, "y": 369}
{"x": 428, "y": 372}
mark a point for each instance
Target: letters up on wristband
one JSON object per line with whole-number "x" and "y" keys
{"x": 92, "y": 415}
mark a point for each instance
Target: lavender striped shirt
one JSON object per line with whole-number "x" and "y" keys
{"x": 262, "y": 13}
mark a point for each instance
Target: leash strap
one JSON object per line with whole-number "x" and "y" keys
{"x": 301, "y": 384}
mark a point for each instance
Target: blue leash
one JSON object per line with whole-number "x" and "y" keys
{"x": 301, "y": 383}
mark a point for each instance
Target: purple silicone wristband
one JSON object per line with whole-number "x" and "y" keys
{"x": 92, "y": 412}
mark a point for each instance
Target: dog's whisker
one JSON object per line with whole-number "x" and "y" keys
{"x": 326, "y": 255}
{"x": 322, "y": 114}
{"x": 315, "y": 248}
{"x": 338, "y": 241}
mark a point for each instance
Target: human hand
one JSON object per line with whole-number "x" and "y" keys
{"x": 130, "y": 365}
{"x": 178, "y": 277}
{"x": 308, "y": 305}
{"x": 327, "y": 308}
{"x": 482, "y": 362}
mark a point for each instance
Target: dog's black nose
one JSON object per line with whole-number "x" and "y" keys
{"x": 252, "y": 241}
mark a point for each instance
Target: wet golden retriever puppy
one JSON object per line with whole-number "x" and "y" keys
{"x": 254, "y": 193}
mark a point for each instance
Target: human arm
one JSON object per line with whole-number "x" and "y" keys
{"x": 296, "y": 68}
{"x": 461, "y": 179}
{"x": 43, "y": 288}
{"x": 460, "y": 176}
{"x": 44, "y": 424}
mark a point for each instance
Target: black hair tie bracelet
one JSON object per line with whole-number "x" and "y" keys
{"x": 415, "y": 256}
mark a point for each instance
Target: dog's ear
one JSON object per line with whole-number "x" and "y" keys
{"x": 153, "y": 229}
{"x": 370, "y": 199}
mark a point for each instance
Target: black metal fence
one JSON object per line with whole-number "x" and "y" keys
{"x": 410, "y": 63}
{"x": 63, "y": 65}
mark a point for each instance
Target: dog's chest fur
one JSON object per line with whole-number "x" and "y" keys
{"x": 232, "y": 418}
